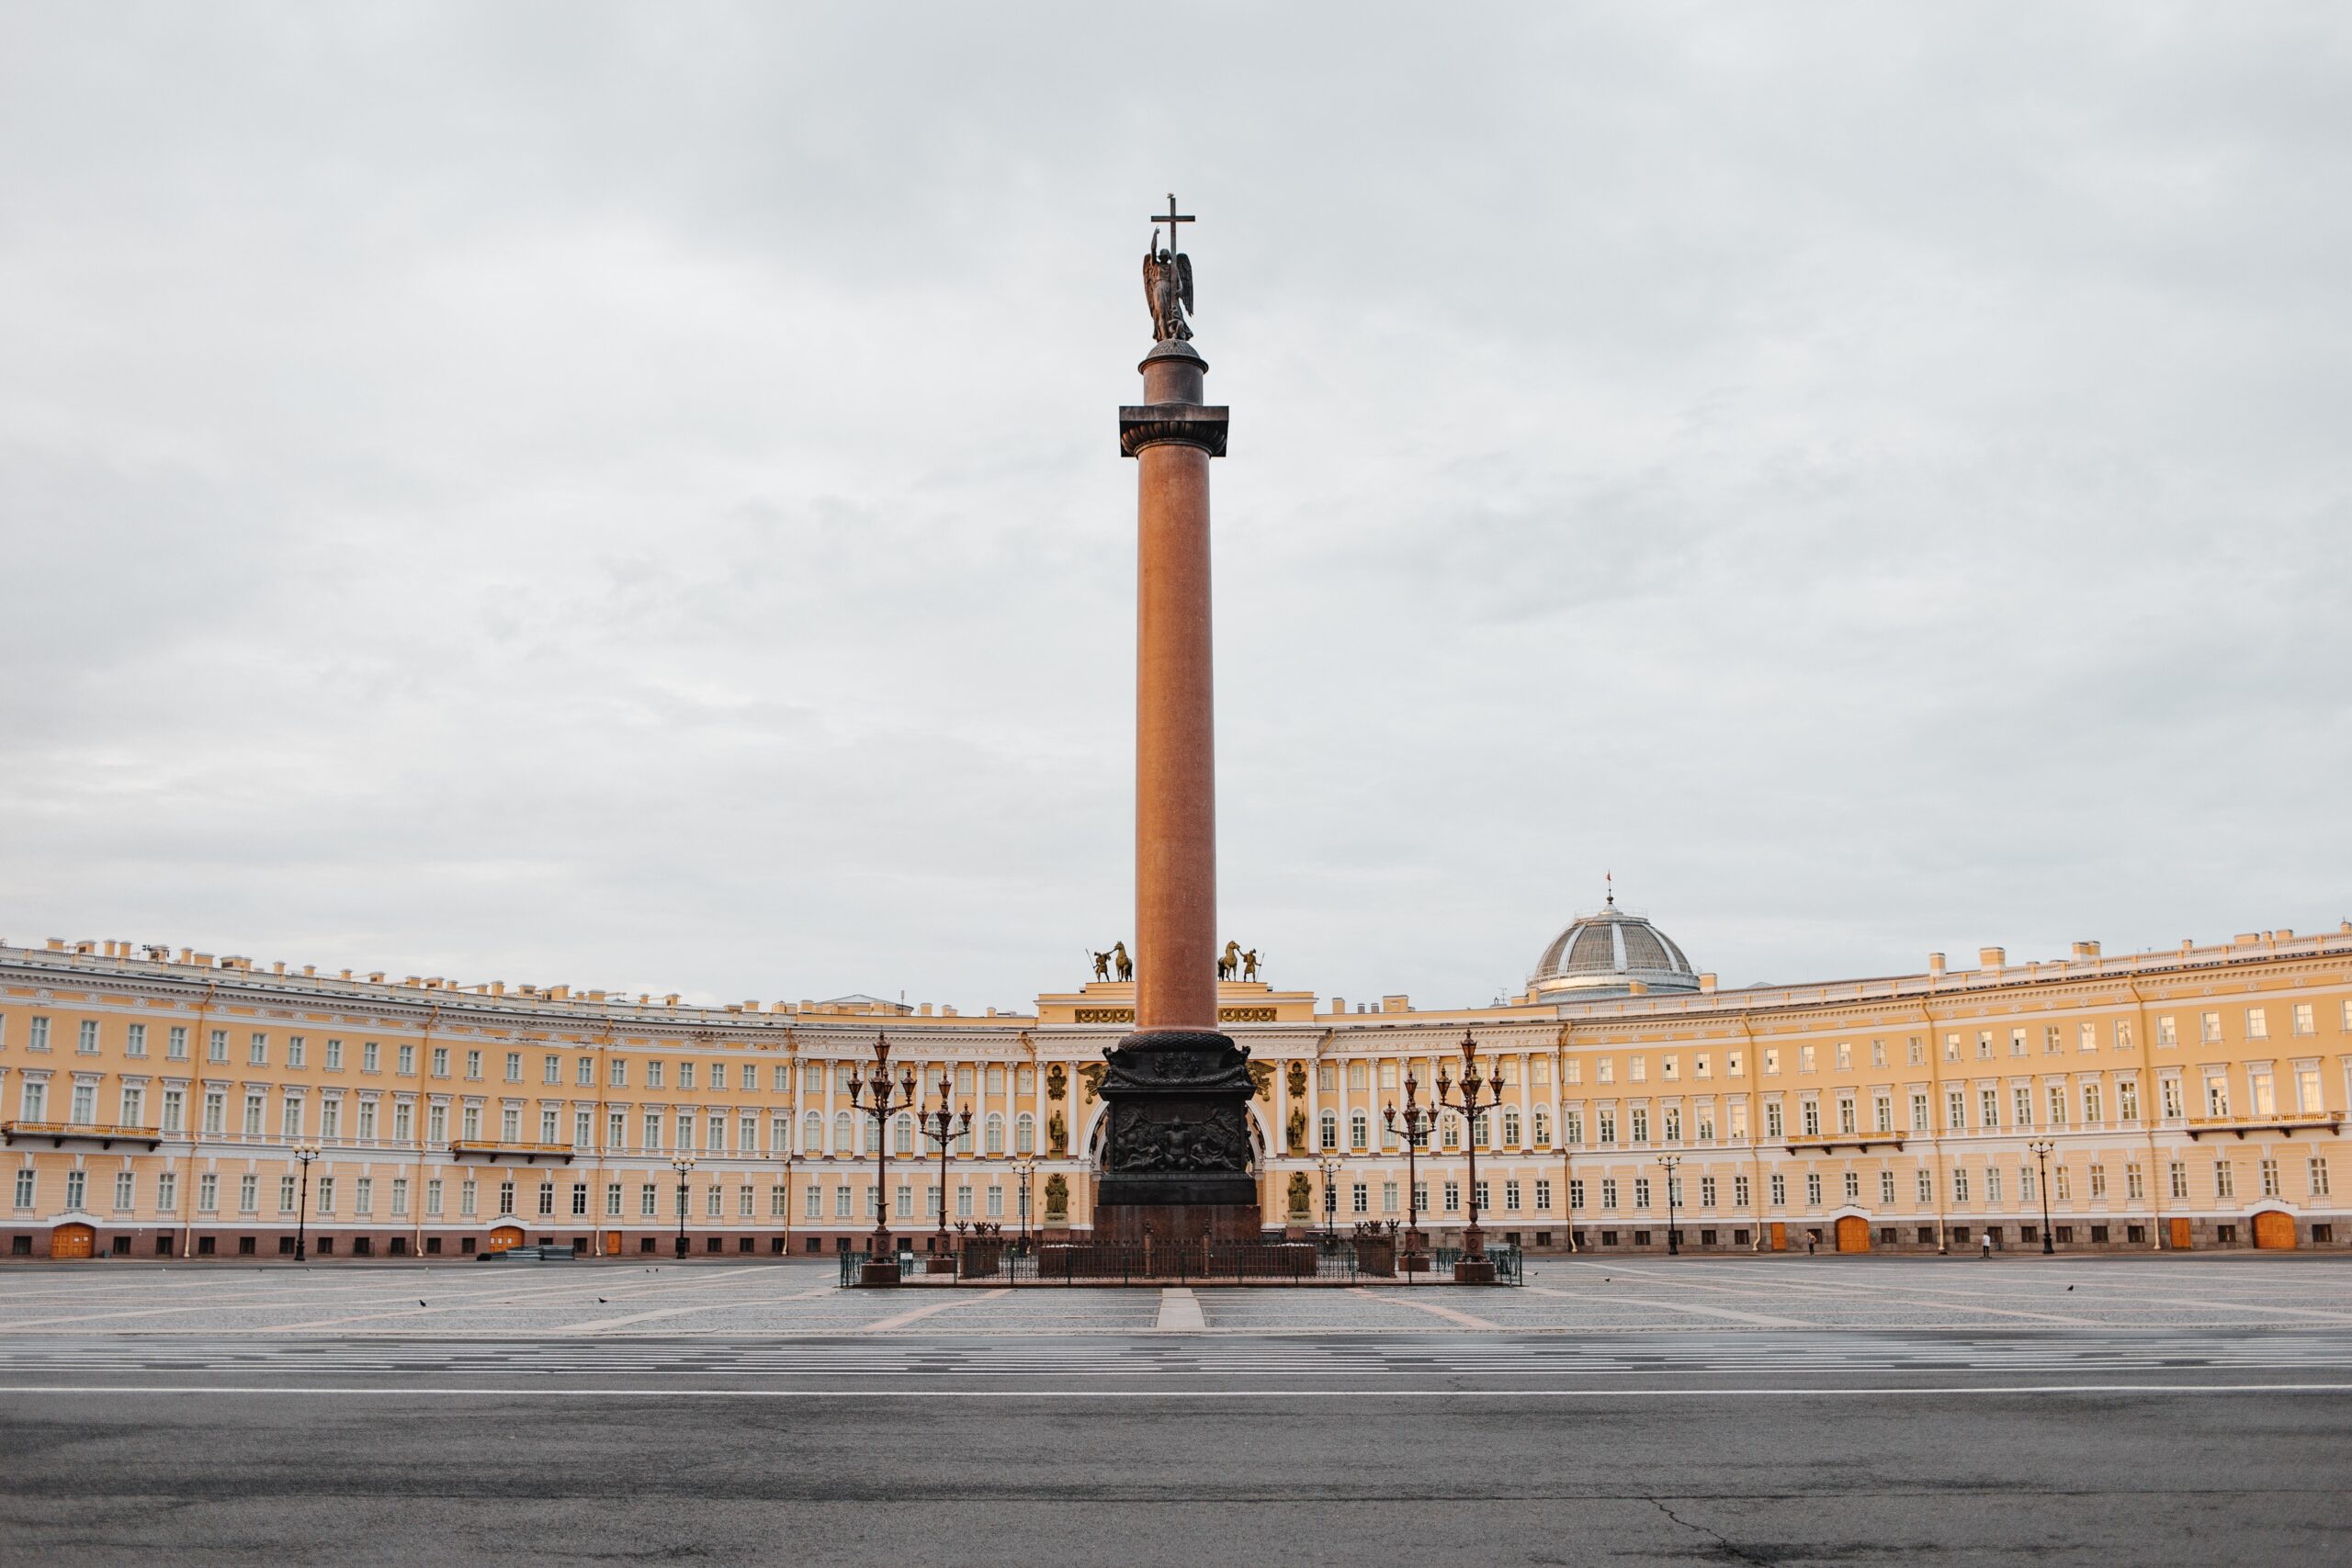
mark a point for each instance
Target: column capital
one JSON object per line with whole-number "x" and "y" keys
{"x": 1188, "y": 425}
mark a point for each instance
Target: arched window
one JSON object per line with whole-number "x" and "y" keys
{"x": 841, "y": 1143}
{"x": 1510, "y": 1129}
{"x": 996, "y": 1134}
{"x": 1638, "y": 1119}
{"x": 1479, "y": 1132}
{"x": 812, "y": 1134}
{"x": 1359, "y": 1129}
{"x": 902, "y": 1135}
{"x": 1331, "y": 1129}
{"x": 1543, "y": 1130}
{"x": 1450, "y": 1129}
{"x": 1024, "y": 1135}
{"x": 1672, "y": 1116}
{"x": 964, "y": 1140}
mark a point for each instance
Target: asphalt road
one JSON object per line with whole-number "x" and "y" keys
{"x": 427, "y": 1459}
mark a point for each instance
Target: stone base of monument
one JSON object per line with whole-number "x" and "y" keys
{"x": 1376, "y": 1255}
{"x": 939, "y": 1263}
{"x": 1474, "y": 1271}
{"x": 1409, "y": 1263}
{"x": 1177, "y": 1147}
{"x": 1218, "y": 1222}
{"x": 884, "y": 1272}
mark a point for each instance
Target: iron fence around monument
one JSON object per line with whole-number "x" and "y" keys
{"x": 851, "y": 1262}
{"x": 1157, "y": 1263}
{"x": 1319, "y": 1261}
{"x": 1180, "y": 1263}
{"x": 1511, "y": 1264}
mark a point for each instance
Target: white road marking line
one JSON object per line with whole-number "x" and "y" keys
{"x": 932, "y": 1392}
{"x": 1447, "y": 1313}
{"x": 598, "y": 1324}
{"x": 922, "y": 1312}
{"x": 1761, "y": 1319}
{"x": 1180, "y": 1311}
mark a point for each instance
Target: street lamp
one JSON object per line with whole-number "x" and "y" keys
{"x": 1673, "y": 1246}
{"x": 681, "y": 1163}
{"x": 2041, "y": 1148}
{"x": 1417, "y": 1119}
{"x": 1024, "y": 1167}
{"x": 1474, "y": 1238}
{"x": 882, "y": 1092}
{"x": 306, "y": 1153}
{"x": 1330, "y": 1165}
{"x": 943, "y": 1127}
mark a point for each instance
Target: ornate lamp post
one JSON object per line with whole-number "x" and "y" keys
{"x": 943, "y": 1127}
{"x": 1473, "y": 1268}
{"x": 1024, "y": 1167}
{"x": 1417, "y": 1119}
{"x": 306, "y": 1153}
{"x": 881, "y": 1096}
{"x": 2041, "y": 1148}
{"x": 1331, "y": 1166}
{"x": 1673, "y": 1245}
{"x": 1568, "y": 1181}
{"x": 681, "y": 1163}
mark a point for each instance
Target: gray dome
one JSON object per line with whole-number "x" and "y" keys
{"x": 1601, "y": 955}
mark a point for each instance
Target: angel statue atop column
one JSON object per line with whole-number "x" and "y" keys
{"x": 1168, "y": 289}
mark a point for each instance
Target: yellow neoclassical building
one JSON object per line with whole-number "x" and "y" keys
{"x": 154, "y": 1103}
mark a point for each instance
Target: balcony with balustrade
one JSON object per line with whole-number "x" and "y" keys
{"x": 57, "y": 1134}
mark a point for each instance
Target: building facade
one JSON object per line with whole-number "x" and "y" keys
{"x": 153, "y": 1104}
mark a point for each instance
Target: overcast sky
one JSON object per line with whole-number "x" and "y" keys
{"x": 628, "y": 496}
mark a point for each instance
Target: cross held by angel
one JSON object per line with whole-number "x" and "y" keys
{"x": 1168, "y": 280}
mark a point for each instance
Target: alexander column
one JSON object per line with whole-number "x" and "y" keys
{"x": 1177, "y": 1159}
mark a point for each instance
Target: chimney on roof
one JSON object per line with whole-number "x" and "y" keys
{"x": 1991, "y": 958}
{"x": 1935, "y": 965}
{"x": 1706, "y": 983}
{"x": 2087, "y": 950}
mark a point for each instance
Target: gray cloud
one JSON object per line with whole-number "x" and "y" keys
{"x": 627, "y": 496}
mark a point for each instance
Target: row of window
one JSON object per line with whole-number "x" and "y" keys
{"x": 1990, "y": 1115}
{"x": 1967, "y": 1186}
{"x": 2300, "y": 1019}
{"x": 690, "y": 1073}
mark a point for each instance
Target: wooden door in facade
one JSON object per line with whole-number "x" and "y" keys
{"x": 2275, "y": 1229}
{"x": 73, "y": 1241}
{"x": 1853, "y": 1234}
{"x": 504, "y": 1237}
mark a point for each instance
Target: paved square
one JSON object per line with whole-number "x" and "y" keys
{"x": 2023, "y": 1410}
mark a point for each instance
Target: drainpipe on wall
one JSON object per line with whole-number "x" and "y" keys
{"x": 2151, "y": 1109}
{"x": 1934, "y": 1139}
